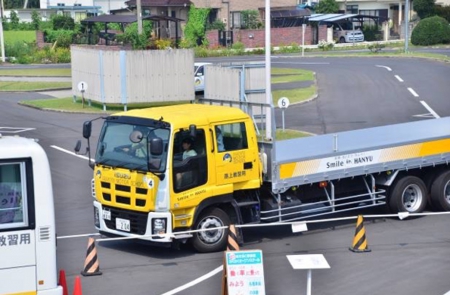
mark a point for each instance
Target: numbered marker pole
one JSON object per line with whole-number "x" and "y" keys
{"x": 283, "y": 104}
{"x": 82, "y": 87}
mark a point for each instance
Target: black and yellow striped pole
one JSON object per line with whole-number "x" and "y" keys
{"x": 91, "y": 264}
{"x": 232, "y": 244}
{"x": 359, "y": 241}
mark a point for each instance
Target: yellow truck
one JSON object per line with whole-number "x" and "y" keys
{"x": 161, "y": 172}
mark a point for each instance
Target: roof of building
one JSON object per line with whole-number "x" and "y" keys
{"x": 156, "y": 3}
{"x": 125, "y": 19}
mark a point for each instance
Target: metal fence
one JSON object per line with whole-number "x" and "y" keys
{"x": 123, "y": 77}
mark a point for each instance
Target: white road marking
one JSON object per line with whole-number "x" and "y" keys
{"x": 387, "y": 68}
{"x": 430, "y": 109}
{"x": 195, "y": 282}
{"x": 413, "y": 92}
{"x": 398, "y": 78}
{"x": 427, "y": 115}
{"x": 69, "y": 152}
{"x": 15, "y": 129}
{"x": 302, "y": 63}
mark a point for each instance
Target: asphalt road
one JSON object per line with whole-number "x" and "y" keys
{"x": 407, "y": 257}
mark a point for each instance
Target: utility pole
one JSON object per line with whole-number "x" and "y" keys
{"x": 269, "y": 134}
{"x": 2, "y": 40}
{"x": 139, "y": 16}
{"x": 406, "y": 25}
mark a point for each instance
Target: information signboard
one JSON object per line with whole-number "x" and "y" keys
{"x": 245, "y": 272}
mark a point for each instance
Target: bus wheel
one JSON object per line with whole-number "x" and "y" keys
{"x": 212, "y": 240}
{"x": 408, "y": 195}
{"x": 440, "y": 192}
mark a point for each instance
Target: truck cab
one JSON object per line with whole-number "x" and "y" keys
{"x": 165, "y": 188}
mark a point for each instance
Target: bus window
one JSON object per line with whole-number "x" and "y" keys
{"x": 13, "y": 197}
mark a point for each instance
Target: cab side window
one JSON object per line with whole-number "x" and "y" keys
{"x": 189, "y": 160}
{"x": 231, "y": 137}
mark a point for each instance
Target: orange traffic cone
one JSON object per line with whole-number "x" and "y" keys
{"x": 62, "y": 282}
{"x": 91, "y": 264}
{"x": 77, "y": 288}
{"x": 232, "y": 244}
{"x": 359, "y": 241}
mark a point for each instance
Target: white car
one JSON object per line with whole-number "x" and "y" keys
{"x": 199, "y": 75}
{"x": 344, "y": 32}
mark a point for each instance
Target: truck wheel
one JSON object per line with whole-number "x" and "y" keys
{"x": 342, "y": 40}
{"x": 408, "y": 195}
{"x": 440, "y": 192}
{"x": 213, "y": 240}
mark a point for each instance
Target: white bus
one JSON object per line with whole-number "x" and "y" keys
{"x": 27, "y": 220}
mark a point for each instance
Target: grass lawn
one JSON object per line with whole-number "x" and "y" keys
{"x": 36, "y": 72}
{"x": 12, "y": 37}
{"x": 14, "y": 86}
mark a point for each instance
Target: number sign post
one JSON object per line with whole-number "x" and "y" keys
{"x": 283, "y": 104}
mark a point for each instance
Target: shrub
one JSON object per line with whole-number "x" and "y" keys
{"x": 325, "y": 46}
{"x": 371, "y": 33}
{"x": 63, "y": 38}
{"x": 430, "y": 31}
{"x": 62, "y": 22}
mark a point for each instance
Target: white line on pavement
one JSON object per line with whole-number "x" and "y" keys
{"x": 387, "y": 68}
{"x": 398, "y": 78}
{"x": 413, "y": 92}
{"x": 430, "y": 109}
{"x": 196, "y": 281}
{"x": 69, "y": 152}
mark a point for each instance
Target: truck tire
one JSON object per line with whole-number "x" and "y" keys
{"x": 440, "y": 192}
{"x": 342, "y": 40}
{"x": 214, "y": 240}
{"x": 409, "y": 194}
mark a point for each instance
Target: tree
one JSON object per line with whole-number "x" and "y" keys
{"x": 35, "y": 19}
{"x": 328, "y": 6}
{"x": 194, "y": 31}
{"x": 424, "y": 8}
{"x": 250, "y": 19}
{"x": 14, "y": 20}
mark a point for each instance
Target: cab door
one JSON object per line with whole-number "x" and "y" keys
{"x": 235, "y": 159}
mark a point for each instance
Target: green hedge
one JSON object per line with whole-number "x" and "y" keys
{"x": 430, "y": 31}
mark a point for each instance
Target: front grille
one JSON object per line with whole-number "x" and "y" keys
{"x": 123, "y": 200}
{"x": 138, "y": 221}
{"x": 124, "y": 194}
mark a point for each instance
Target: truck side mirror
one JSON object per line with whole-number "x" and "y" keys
{"x": 156, "y": 146}
{"x": 87, "y": 129}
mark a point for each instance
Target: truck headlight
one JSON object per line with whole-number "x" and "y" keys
{"x": 159, "y": 226}
{"x": 96, "y": 217}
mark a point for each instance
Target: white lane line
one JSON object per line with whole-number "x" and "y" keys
{"x": 387, "y": 68}
{"x": 69, "y": 152}
{"x": 195, "y": 282}
{"x": 430, "y": 109}
{"x": 302, "y": 63}
{"x": 398, "y": 78}
{"x": 448, "y": 293}
{"x": 413, "y": 92}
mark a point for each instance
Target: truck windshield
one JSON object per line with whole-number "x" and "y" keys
{"x": 129, "y": 146}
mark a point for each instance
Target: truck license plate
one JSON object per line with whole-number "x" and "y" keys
{"x": 123, "y": 224}
{"x": 106, "y": 214}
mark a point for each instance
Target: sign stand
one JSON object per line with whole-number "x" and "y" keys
{"x": 309, "y": 262}
{"x": 82, "y": 87}
{"x": 243, "y": 273}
